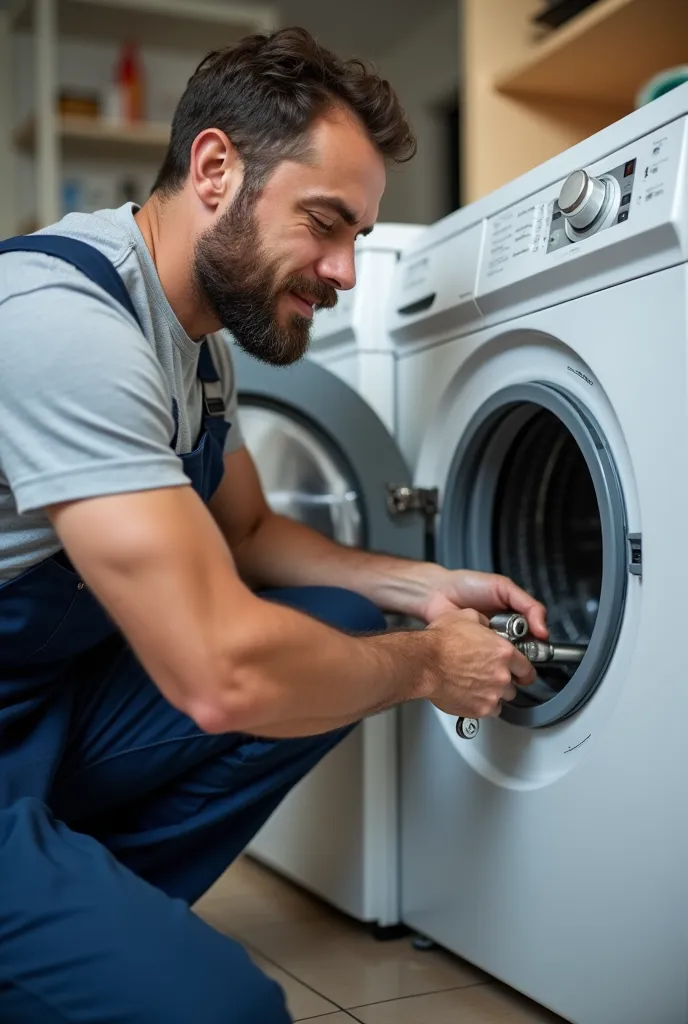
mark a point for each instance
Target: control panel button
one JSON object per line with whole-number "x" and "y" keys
{"x": 573, "y": 191}
{"x": 582, "y": 199}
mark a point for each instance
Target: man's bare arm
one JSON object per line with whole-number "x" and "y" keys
{"x": 158, "y": 563}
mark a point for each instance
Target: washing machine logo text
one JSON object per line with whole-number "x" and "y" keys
{"x": 580, "y": 374}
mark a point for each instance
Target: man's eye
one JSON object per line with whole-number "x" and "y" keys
{"x": 321, "y": 225}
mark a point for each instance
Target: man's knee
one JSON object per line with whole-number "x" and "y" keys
{"x": 353, "y": 612}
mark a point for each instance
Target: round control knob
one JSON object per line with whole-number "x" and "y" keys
{"x": 581, "y": 199}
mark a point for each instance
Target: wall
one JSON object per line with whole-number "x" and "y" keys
{"x": 424, "y": 69}
{"x": 7, "y": 194}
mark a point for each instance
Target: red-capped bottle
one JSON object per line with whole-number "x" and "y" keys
{"x": 129, "y": 81}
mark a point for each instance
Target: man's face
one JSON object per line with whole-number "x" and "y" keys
{"x": 270, "y": 260}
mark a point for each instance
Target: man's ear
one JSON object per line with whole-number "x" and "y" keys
{"x": 216, "y": 170}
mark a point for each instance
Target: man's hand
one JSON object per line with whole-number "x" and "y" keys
{"x": 474, "y": 669}
{"x": 487, "y": 593}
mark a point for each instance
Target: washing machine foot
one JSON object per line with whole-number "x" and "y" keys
{"x": 388, "y": 932}
{"x": 422, "y": 943}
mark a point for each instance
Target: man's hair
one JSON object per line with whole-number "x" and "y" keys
{"x": 264, "y": 94}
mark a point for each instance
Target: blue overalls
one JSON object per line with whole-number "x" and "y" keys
{"x": 116, "y": 810}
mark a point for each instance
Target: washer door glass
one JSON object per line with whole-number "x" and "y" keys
{"x": 302, "y": 476}
{"x": 533, "y": 494}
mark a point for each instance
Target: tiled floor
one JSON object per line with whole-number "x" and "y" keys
{"x": 333, "y": 969}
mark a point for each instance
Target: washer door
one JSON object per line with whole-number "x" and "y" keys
{"x": 323, "y": 456}
{"x": 302, "y": 476}
{"x": 533, "y": 494}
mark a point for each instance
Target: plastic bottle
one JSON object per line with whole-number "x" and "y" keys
{"x": 126, "y": 102}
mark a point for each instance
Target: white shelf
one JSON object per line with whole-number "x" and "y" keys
{"x": 195, "y": 25}
{"x": 93, "y": 137}
{"x": 186, "y": 26}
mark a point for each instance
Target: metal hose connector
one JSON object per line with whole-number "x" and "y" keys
{"x": 540, "y": 653}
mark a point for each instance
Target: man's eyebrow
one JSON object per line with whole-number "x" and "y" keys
{"x": 339, "y": 206}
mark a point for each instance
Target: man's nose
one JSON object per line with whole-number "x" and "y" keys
{"x": 338, "y": 269}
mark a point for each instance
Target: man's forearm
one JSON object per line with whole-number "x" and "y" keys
{"x": 293, "y": 676}
{"x": 284, "y": 553}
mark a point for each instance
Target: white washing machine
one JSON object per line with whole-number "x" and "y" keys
{"x": 548, "y": 404}
{"x": 321, "y": 435}
{"x": 352, "y": 339}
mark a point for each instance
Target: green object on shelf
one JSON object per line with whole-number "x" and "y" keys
{"x": 662, "y": 83}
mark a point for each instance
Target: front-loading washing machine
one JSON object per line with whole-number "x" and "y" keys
{"x": 547, "y": 402}
{"x": 321, "y": 434}
{"x": 352, "y": 339}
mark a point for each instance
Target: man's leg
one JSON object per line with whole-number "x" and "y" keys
{"x": 84, "y": 940}
{"x": 172, "y": 803}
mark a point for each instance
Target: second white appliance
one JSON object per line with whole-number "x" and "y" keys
{"x": 321, "y": 434}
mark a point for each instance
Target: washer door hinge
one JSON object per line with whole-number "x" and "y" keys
{"x": 635, "y": 554}
{"x": 402, "y": 499}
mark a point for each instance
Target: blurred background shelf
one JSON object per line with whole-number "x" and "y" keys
{"x": 525, "y": 94}
{"x": 94, "y": 137}
{"x": 54, "y": 52}
{"x": 528, "y": 95}
{"x": 196, "y": 25}
{"x": 604, "y": 54}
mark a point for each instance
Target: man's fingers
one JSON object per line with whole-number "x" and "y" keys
{"x": 522, "y": 602}
{"x": 537, "y": 620}
{"x": 535, "y": 614}
{"x": 471, "y": 615}
{"x": 521, "y": 668}
{"x": 511, "y": 693}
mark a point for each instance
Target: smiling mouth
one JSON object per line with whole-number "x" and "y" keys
{"x": 305, "y": 306}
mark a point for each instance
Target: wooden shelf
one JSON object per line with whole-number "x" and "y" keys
{"x": 195, "y": 25}
{"x": 603, "y": 55}
{"x": 91, "y": 137}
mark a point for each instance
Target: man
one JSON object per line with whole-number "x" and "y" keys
{"x": 155, "y": 702}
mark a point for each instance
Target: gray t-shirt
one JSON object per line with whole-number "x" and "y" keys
{"x": 85, "y": 397}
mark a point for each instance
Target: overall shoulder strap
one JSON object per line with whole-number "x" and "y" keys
{"x": 213, "y": 392}
{"x": 86, "y": 258}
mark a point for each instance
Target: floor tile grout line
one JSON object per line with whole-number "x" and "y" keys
{"x": 338, "y": 1007}
{"x": 297, "y": 979}
{"x": 420, "y": 995}
{"x": 359, "y": 1006}
{"x": 320, "y": 1016}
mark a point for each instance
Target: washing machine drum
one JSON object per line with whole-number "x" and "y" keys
{"x": 547, "y": 532}
{"x": 533, "y": 494}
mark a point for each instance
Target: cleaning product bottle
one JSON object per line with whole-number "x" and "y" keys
{"x": 127, "y": 100}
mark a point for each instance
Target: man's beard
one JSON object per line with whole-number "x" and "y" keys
{"x": 238, "y": 281}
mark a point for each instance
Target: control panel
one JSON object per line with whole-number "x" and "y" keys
{"x": 621, "y": 197}
{"x": 587, "y": 204}
{"x": 434, "y": 288}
